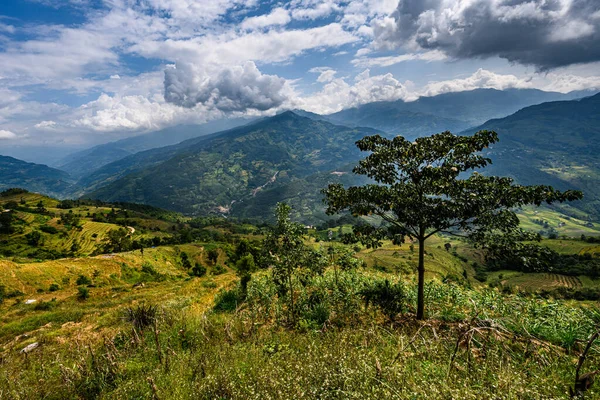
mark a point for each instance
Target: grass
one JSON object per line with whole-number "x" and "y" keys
{"x": 570, "y": 226}
{"x": 194, "y": 353}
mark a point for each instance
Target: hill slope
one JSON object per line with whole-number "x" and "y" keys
{"x": 449, "y": 111}
{"x": 87, "y": 161}
{"x": 213, "y": 173}
{"x": 553, "y": 143}
{"x": 34, "y": 177}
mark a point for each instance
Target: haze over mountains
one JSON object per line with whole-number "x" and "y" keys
{"x": 246, "y": 170}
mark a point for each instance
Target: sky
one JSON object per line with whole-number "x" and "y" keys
{"x": 74, "y": 73}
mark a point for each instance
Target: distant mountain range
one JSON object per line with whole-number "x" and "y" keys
{"x": 33, "y": 177}
{"x": 555, "y": 143}
{"x": 87, "y": 161}
{"x": 222, "y": 172}
{"x": 246, "y": 170}
{"x": 450, "y": 111}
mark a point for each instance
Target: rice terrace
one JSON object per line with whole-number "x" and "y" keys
{"x": 365, "y": 199}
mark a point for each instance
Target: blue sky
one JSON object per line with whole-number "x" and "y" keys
{"x": 81, "y": 72}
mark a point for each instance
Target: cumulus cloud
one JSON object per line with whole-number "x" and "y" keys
{"x": 315, "y": 9}
{"x": 6, "y": 135}
{"x": 278, "y": 16}
{"x": 482, "y": 79}
{"x": 232, "y": 89}
{"x": 326, "y": 74}
{"x": 339, "y": 94}
{"x": 45, "y": 124}
{"x": 544, "y": 33}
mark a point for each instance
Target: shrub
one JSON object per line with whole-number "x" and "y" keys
{"x": 390, "y": 298}
{"x": 141, "y": 315}
{"x": 83, "y": 280}
{"x": 44, "y": 306}
{"x": 198, "y": 270}
{"x": 226, "y": 300}
{"x": 83, "y": 293}
{"x": 48, "y": 229}
{"x": 54, "y": 287}
{"x": 218, "y": 270}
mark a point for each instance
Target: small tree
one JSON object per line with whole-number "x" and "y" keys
{"x": 245, "y": 266}
{"x": 285, "y": 252}
{"x": 118, "y": 240}
{"x": 420, "y": 192}
{"x": 213, "y": 255}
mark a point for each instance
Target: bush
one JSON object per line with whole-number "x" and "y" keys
{"x": 83, "y": 280}
{"x": 48, "y": 229}
{"x": 198, "y": 270}
{"x": 54, "y": 287}
{"x": 390, "y": 298}
{"x": 218, "y": 270}
{"x": 226, "y": 300}
{"x": 83, "y": 293}
{"x": 141, "y": 316}
{"x": 44, "y": 306}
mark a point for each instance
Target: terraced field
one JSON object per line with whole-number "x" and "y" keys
{"x": 536, "y": 281}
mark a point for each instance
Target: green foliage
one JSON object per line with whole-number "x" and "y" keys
{"x": 213, "y": 255}
{"x": 198, "y": 270}
{"x": 54, "y": 287}
{"x": 141, "y": 315}
{"x": 289, "y": 257}
{"x": 419, "y": 193}
{"x": 48, "y": 229}
{"x": 83, "y": 280}
{"x": 227, "y": 300}
{"x": 390, "y": 298}
{"x": 83, "y": 293}
{"x": 34, "y": 238}
{"x": 118, "y": 240}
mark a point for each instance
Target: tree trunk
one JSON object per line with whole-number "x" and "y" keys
{"x": 420, "y": 293}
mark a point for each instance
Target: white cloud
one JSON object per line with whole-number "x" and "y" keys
{"x": 7, "y": 135}
{"x": 45, "y": 124}
{"x": 7, "y": 28}
{"x": 480, "y": 79}
{"x": 278, "y": 16}
{"x": 338, "y": 94}
{"x": 326, "y": 74}
{"x": 314, "y": 10}
{"x": 367, "y": 62}
{"x": 232, "y": 89}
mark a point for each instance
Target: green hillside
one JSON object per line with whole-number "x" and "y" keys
{"x": 34, "y": 177}
{"x": 212, "y": 174}
{"x": 553, "y": 143}
{"x": 449, "y": 111}
{"x": 87, "y": 161}
{"x": 41, "y": 227}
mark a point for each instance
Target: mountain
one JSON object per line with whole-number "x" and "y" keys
{"x": 554, "y": 143}
{"x": 33, "y": 177}
{"x": 87, "y": 161}
{"x": 223, "y": 172}
{"x": 450, "y": 111}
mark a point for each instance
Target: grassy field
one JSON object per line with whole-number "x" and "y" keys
{"x": 84, "y": 239}
{"x": 561, "y": 223}
{"x": 113, "y": 286}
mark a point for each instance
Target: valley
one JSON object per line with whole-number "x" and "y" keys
{"x": 160, "y": 268}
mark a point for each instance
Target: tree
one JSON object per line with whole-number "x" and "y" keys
{"x": 117, "y": 240}
{"x": 213, "y": 255}
{"x": 285, "y": 253}
{"x": 6, "y": 222}
{"x": 428, "y": 186}
{"x": 34, "y": 238}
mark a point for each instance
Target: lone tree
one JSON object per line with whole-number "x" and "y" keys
{"x": 424, "y": 187}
